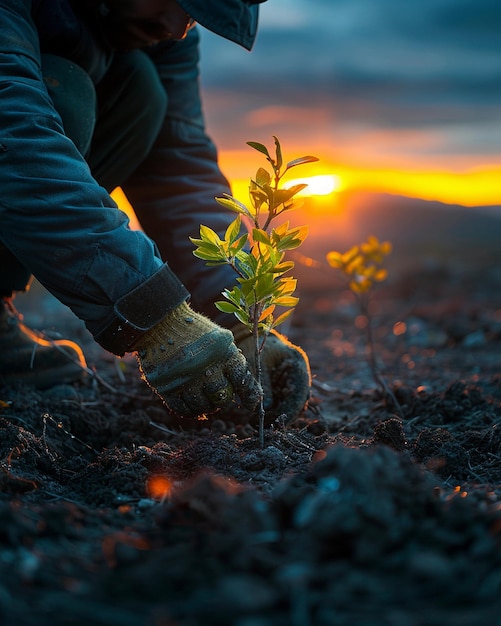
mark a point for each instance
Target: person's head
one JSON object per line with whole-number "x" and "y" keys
{"x": 130, "y": 24}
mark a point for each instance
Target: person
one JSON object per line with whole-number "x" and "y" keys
{"x": 95, "y": 95}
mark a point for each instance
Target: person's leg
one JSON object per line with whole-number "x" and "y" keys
{"x": 131, "y": 109}
{"x": 74, "y": 96}
{"x": 26, "y": 356}
{"x": 13, "y": 275}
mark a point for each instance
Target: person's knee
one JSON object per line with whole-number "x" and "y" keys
{"x": 73, "y": 95}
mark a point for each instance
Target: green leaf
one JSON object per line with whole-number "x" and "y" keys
{"x": 247, "y": 284}
{"x": 233, "y": 295}
{"x": 266, "y": 312}
{"x": 257, "y": 197}
{"x": 284, "y": 195}
{"x": 260, "y": 235}
{"x": 265, "y": 287}
{"x": 285, "y": 287}
{"x": 226, "y": 307}
{"x": 286, "y": 301}
{"x": 300, "y": 161}
{"x": 237, "y": 245}
{"x": 259, "y": 147}
{"x": 207, "y": 234}
{"x": 233, "y": 230}
{"x": 297, "y": 188}
{"x": 246, "y": 264}
{"x": 262, "y": 177}
{"x": 233, "y": 204}
{"x": 278, "y": 153}
{"x": 301, "y": 232}
{"x": 243, "y": 316}
{"x": 281, "y": 318}
{"x": 281, "y": 268}
{"x": 210, "y": 248}
{"x": 251, "y": 299}
{"x": 207, "y": 256}
{"x": 293, "y": 239}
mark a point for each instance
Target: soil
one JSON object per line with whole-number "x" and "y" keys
{"x": 363, "y": 512}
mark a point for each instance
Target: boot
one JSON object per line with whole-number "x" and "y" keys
{"x": 27, "y": 357}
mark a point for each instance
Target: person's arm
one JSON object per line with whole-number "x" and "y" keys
{"x": 173, "y": 191}
{"x": 54, "y": 217}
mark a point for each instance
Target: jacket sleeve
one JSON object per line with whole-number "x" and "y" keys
{"x": 173, "y": 191}
{"x": 54, "y": 217}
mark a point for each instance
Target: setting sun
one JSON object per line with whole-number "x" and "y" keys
{"x": 322, "y": 185}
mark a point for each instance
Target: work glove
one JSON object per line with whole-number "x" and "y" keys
{"x": 285, "y": 375}
{"x": 194, "y": 365}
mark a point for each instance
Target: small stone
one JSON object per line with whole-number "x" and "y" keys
{"x": 62, "y": 392}
{"x": 146, "y": 503}
{"x": 252, "y": 462}
{"x": 476, "y": 339}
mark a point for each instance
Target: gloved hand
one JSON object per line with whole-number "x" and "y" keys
{"x": 285, "y": 375}
{"x": 194, "y": 365}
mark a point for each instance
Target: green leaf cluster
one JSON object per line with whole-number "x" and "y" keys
{"x": 258, "y": 257}
{"x": 266, "y": 195}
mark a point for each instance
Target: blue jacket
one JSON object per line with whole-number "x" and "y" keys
{"x": 60, "y": 223}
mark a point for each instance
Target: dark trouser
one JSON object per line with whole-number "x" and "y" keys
{"x": 111, "y": 125}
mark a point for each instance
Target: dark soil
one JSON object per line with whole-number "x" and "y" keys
{"x": 363, "y": 512}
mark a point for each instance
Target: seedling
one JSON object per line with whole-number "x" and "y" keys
{"x": 363, "y": 266}
{"x": 258, "y": 257}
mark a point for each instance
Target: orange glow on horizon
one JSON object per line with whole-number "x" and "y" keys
{"x": 477, "y": 186}
{"x": 471, "y": 187}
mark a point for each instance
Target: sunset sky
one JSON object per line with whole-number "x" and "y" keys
{"x": 391, "y": 96}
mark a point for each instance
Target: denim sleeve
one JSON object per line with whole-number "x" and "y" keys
{"x": 54, "y": 217}
{"x": 174, "y": 189}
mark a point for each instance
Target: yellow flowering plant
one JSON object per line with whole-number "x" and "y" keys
{"x": 363, "y": 265}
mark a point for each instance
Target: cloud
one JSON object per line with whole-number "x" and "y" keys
{"x": 359, "y": 64}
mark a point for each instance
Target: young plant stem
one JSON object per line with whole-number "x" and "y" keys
{"x": 259, "y": 375}
{"x": 272, "y": 212}
{"x": 379, "y": 380}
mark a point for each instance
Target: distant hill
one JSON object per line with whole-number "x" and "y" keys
{"x": 421, "y": 231}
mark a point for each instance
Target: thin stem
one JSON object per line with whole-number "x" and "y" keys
{"x": 257, "y": 360}
{"x": 272, "y": 213}
{"x": 378, "y": 378}
{"x": 235, "y": 268}
{"x": 267, "y": 223}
